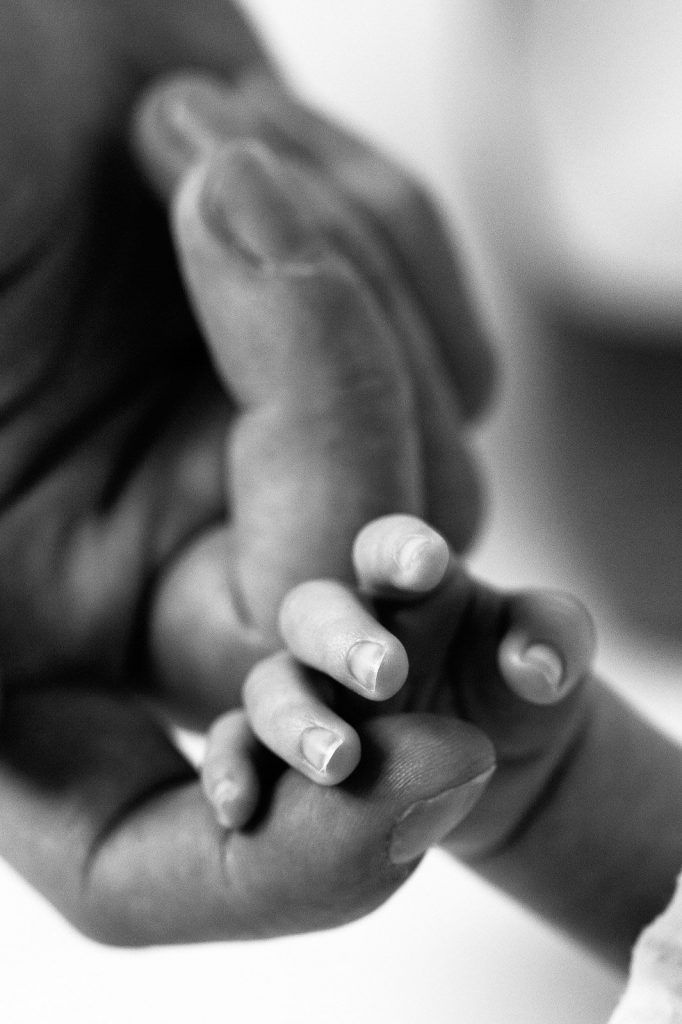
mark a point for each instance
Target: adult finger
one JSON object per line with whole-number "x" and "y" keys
{"x": 105, "y": 818}
{"x": 182, "y": 122}
{"x": 413, "y": 226}
{"x": 324, "y": 438}
{"x": 183, "y": 116}
{"x": 451, "y": 482}
{"x": 201, "y": 645}
{"x": 157, "y": 38}
{"x": 326, "y": 430}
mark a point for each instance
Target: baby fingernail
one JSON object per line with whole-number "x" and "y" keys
{"x": 223, "y": 798}
{"x": 245, "y": 203}
{"x": 535, "y": 672}
{"x": 364, "y": 661}
{"x": 430, "y": 821}
{"x": 318, "y": 747}
{"x": 186, "y": 129}
{"x": 546, "y": 660}
{"x": 198, "y": 116}
{"x": 411, "y": 551}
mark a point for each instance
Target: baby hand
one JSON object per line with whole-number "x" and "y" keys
{"x": 418, "y": 634}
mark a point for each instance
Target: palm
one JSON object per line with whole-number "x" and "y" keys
{"x": 105, "y": 388}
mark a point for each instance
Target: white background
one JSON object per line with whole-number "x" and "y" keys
{"x": 445, "y": 949}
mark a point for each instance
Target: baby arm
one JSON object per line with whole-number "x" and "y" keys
{"x": 598, "y": 850}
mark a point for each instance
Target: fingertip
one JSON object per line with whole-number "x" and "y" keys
{"x": 379, "y": 668}
{"x": 331, "y": 756}
{"x": 180, "y": 119}
{"x": 549, "y": 648}
{"x": 535, "y": 672}
{"x": 234, "y": 803}
{"x": 401, "y": 552}
{"x": 422, "y": 560}
{"x": 233, "y": 795}
{"x": 567, "y": 623}
{"x": 229, "y": 777}
{"x": 286, "y": 710}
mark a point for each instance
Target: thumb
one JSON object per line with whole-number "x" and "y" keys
{"x": 106, "y": 819}
{"x": 320, "y": 857}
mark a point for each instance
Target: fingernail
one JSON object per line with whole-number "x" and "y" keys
{"x": 430, "y": 821}
{"x": 318, "y": 747}
{"x": 245, "y": 203}
{"x": 411, "y": 551}
{"x": 534, "y": 672}
{"x": 547, "y": 662}
{"x": 198, "y": 118}
{"x": 183, "y": 126}
{"x": 223, "y": 799}
{"x": 364, "y": 661}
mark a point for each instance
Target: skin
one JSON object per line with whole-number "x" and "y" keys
{"x": 329, "y": 209}
{"x": 99, "y": 811}
{"x": 405, "y": 572}
{"x": 581, "y": 820}
{"x": 120, "y": 410}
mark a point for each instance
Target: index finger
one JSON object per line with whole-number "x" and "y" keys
{"x": 396, "y": 208}
{"x": 326, "y": 432}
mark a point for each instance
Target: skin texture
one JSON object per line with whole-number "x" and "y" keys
{"x": 126, "y": 427}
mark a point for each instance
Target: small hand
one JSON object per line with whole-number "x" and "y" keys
{"x": 420, "y": 635}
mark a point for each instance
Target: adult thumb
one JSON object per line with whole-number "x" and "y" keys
{"x": 320, "y": 857}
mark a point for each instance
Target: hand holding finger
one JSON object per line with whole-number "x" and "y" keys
{"x": 128, "y": 849}
{"x": 323, "y": 433}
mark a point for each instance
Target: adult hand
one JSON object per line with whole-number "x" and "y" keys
{"x": 114, "y": 421}
{"x": 113, "y": 427}
{"x": 351, "y": 404}
{"x": 104, "y": 817}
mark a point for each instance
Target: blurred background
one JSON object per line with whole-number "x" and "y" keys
{"x": 550, "y": 132}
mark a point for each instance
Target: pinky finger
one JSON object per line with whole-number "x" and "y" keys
{"x": 228, "y": 776}
{"x": 549, "y": 647}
